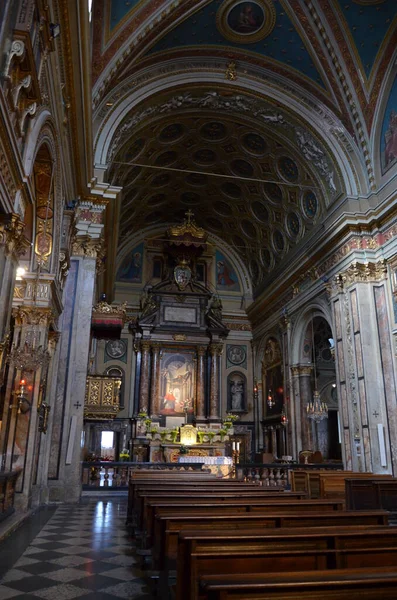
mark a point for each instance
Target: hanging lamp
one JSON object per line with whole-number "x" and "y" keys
{"x": 316, "y": 409}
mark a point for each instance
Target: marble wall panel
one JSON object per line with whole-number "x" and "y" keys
{"x": 354, "y": 308}
{"x": 337, "y": 321}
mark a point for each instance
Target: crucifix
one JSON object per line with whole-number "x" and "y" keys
{"x": 77, "y": 405}
{"x": 189, "y": 215}
{"x": 375, "y": 414}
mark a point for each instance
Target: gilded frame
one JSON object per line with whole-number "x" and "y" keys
{"x": 227, "y": 8}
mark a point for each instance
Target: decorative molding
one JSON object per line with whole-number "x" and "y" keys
{"x": 299, "y": 370}
{"x": 33, "y": 315}
{"x": 357, "y": 272}
{"x": 87, "y": 246}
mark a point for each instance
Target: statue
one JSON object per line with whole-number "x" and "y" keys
{"x": 147, "y": 305}
{"x": 237, "y": 395}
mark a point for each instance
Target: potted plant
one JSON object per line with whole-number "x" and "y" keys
{"x": 222, "y": 433}
{"x": 200, "y": 435}
{"x": 124, "y": 455}
{"x": 147, "y": 422}
{"x": 163, "y": 434}
{"x": 174, "y": 434}
{"x": 211, "y": 434}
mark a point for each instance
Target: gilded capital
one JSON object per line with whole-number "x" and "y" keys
{"x": 216, "y": 349}
{"x": 11, "y": 235}
{"x": 156, "y": 346}
{"x": 84, "y": 245}
{"x": 201, "y": 350}
{"x": 359, "y": 272}
{"x": 299, "y": 370}
{"x": 33, "y": 315}
{"x": 145, "y": 346}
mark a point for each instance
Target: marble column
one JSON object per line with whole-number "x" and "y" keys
{"x": 144, "y": 386}
{"x": 155, "y": 380}
{"x": 301, "y": 381}
{"x": 200, "y": 386}
{"x": 215, "y": 353}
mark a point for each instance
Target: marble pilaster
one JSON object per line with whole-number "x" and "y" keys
{"x": 200, "y": 389}
{"x": 144, "y": 386}
{"x": 155, "y": 380}
{"x": 64, "y": 467}
{"x": 215, "y": 353}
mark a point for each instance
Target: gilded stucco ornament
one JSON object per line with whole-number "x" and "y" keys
{"x": 11, "y": 235}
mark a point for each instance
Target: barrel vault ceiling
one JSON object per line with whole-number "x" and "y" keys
{"x": 253, "y": 172}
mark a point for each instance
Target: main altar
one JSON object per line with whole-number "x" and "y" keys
{"x": 179, "y": 338}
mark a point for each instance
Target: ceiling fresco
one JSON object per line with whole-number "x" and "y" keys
{"x": 241, "y": 182}
{"x": 281, "y": 43}
{"x": 119, "y": 9}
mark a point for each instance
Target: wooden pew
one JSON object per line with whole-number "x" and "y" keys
{"x": 327, "y": 484}
{"x": 140, "y": 503}
{"x": 169, "y": 525}
{"x": 362, "y": 494}
{"x": 211, "y": 552}
{"x": 339, "y": 584}
{"x": 243, "y": 505}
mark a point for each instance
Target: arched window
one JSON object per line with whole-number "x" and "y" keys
{"x": 117, "y": 372}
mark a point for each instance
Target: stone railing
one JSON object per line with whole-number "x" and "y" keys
{"x": 115, "y": 475}
{"x": 277, "y": 474}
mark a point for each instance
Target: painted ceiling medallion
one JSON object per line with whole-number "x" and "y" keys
{"x": 246, "y": 22}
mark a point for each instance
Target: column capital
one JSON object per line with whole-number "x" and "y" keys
{"x": 145, "y": 345}
{"x": 11, "y": 235}
{"x": 216, "y": 349}
{"x": 156, "y": 347}
{"x": 201, "y": 350}
{"x": 358, "y": 272}
{"x": 299, "y": 370}
{"x": 86, "y": 246}
{"x": 33, "y": 315}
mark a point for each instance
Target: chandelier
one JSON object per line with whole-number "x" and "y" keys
{"x": 316, "y": 409}
{"x": 31, "y": 356}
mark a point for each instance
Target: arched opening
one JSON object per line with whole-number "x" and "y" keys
{"x": 318, "y": 346}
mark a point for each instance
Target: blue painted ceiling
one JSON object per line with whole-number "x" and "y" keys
{"x": 368, "y": 25}
{"x": 119, "y": 9}
{"x": 283, "y": 44}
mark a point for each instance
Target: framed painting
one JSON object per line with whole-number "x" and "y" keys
{"x": 177, "y": 382}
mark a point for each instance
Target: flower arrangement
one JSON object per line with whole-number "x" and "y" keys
{"x": 148, "y": 422}
{"x": 124, "y": 455}
{"x": 222, "y": 433}
{"x": 231, "y": 417}
{"x": 174, "y": 434}
{"x": 164, "y": 433}
{"x": 200, "y": 435}
{"x": 211, "y": 435}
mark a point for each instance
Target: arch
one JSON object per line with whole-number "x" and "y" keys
{"x": 342, "y": 148}
{"x": 317, "y": 308}
{"x": 245, "y": 278}
{"x": 389, "y": 81}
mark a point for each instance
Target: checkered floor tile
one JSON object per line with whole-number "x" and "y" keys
{"x": 82, "y": 551}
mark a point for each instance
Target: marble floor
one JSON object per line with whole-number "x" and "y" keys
{"x": 74, "y": 551}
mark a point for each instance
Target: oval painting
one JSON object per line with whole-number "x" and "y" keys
{"x": 246, "y": 18}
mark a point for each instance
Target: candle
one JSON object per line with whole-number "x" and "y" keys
{"x": 238, "y": 447}
{"x": 234, "y": 445}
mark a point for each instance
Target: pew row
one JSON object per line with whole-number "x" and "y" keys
{"x": 212, "y": 552}
{"x": 339, "y": 584}
{"x": 169, "y": 525}
{"x": 327, "y": 484}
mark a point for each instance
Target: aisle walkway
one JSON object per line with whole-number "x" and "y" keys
{"x": 81, "y": 551}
